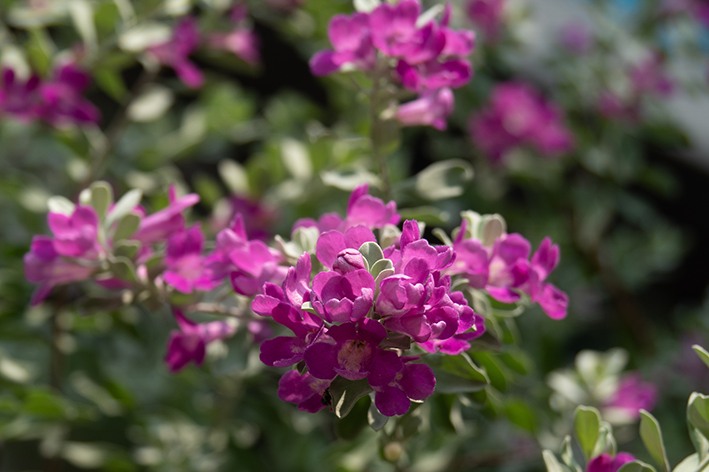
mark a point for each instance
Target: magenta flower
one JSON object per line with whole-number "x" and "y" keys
{"x": 517, "y": 116}
{"x": 648, "y": 77}
{"x": 19, "y": 99}
{"x": 394, "y": 27}
{"x": 161, "y": 224}
{"x": 433, "y": 75}
{"x": 175, "y": 53}
{"x": 189, "y": 344}
{"x": 459, "y": 342}
{"x": 254, "y": 264}
{"x": 576, "y": 37}
{"x": 342, "y": 298}
{"x": 62, "y": 101}
{"x": 304, "y": 390}
{"x": 186, "y": 270}
{"x": 508, "y": 268}
{"x": 488, "y": 14}
{"x": 413, "y": 382}
{"x": 283, "y": 351}
{"x": 553, "y": 301}
{"x": 606, "y": 463}
{"x": 45, "y": 266}
{"x": 75, "y": 235}
{"x": 243, "y": 42}
{"x": 331, "y": 243}
{"x": 351, "y": 351}
{"x": 430, "y": 109}
{"x": 352, "y": 43}
{"x": 633, "y": 395}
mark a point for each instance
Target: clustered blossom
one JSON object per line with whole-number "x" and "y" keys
{"x": 344, "y": 317}
{"x": 58, "y": 101}
{"x": 518, "y": 116}
{"x": 608, "y": 463}
{"x": 428, "y": 59}
{"x": 189, "y": 344}
{"x": 505, "y": 270}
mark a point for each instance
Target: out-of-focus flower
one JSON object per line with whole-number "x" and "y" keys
{"x": 175, "y": 52}
{"x": 352, "y": 43}
{"x": 62, "y": 102}
{"x": 632, "y": 396}
{"x": 304, "y": 390}
{"x": 189, "y": 344}
{"x": 19, "y": 99}
{"x": 576, "y": 37}
{"x": 161, "y": 224}
{"x": 518, "y": 116}
{"x": 488, "y": 15}
{"x": 648, "y": 77}
{"x": 186, "y": 270}
{"x": 257, "y": 215}
{"x": 607, "y": 463}
{"x": 243, "y": 42}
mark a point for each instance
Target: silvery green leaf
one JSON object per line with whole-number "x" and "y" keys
{"x": 348, "y": 179}
{"x": 381, "y": 266}
{"x": 124, "y": 206}
{"x": 444, "y": 179}
{"x": 296, "y": 159}
{"x": 606, "y": 441}
{"x": 587, "y": 421}
{"x": 441, "y": 234}
{"x": 82, "y": 14}
{"x": 345, "y": 394}
{"x": 689, "y": 464}
{"x": 59, "y": 204}
{"x": 651, "y": 435}
{"x": 371, "y": 252}
{"x": 636, "y": 466}
{"x": 151, "y": 104}
{"x": 552, "y": 463}
{"x": 123, "y": 268}
{"x": 702, "y": 353}
{"x": 101, "y": 198}
{"x": 127, "y": 226}
{"x": 375, "y": 419}
{"x": 366, "y": 6}
{"x": 698, "y": 413}
{"x": 567, "y": 455}
{"x": 388, "y": 235}
{"x": 126, "y": 249}
{"x": 472, "y": 226}
{"x": 491, "y": 228}
{"x": 144, "y": 35}
{"x": 234, "y": 176}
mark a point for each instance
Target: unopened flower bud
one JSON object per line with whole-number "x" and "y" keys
{"x": 392, "y": 451}
{"x": 348, "y": 260}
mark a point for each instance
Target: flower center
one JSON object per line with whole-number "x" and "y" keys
{"x": 353, "y": 354}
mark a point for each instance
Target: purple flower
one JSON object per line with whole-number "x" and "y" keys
{"x": 175, "y": 53}
{"x": 304, "y": 390}
{"x": 283, "y": 351}
{"x": 394, "y": 27}
{"x": 517, "y": 116}
{"x": 19, "y": 99}
{"x": 430, "y": 109}
{"x": 332, "y": 243}
{"x": 185, "y": 263}
{"x": 488, "y": 14}
{"x": 633, "y": 395}
{"x": 508, "y": 268}
{"x": 254, "y": 264}
{"x": 351, "y": 351}
{"x": 62, "y": 102}
{"x": 648, "y": 77}
{"x": 75, "y": 235}
{"x": 189, "y": 344}
{"x": 243, "y": 42}
{"x": 161, "y": 224}
{"x": 432, "y": 75}
{"x": 45, "y": 266}
{"x": 352, "y": 43}
{"x": 413, "y": 382}
{"x": 606, "y": 463}
{"x": 576, "y": 37}
{"x": 342, "y": 298}
{"x": 459, "y": 342}
{"x": 553, "y": 301}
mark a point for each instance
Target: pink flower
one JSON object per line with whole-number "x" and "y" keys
{"x": 304, "y": 390}
{"x": 19, "y": 99}
{"x": 242, "y": 41}
{"x": 62, "y": 102}
{"x": 413, "y": 382}
{"x": 351, "y": 39}
{"x": 75, "y": 235}
{"x": 283, "y": 351}
{"x": 488, "y": 14}
{"x": 633, "y": 395}
{"x": 394, "y": 27}
{"x": 186, "y": 269}
{"x": 189, "y": 344}
{"x": 576, "y": 37}
{"x": 430, "y": 109}
{"x": 606, "y": 463}
{"x": 175, "y": 52}
{"x": 648, "y": 77}
{"x": 161, "y": 224}
{"x": 553, "y": 301}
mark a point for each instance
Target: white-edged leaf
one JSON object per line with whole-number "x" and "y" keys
{"x": 59, "y": 204}
{"x": 651, "y": 434}
{"x": 124, "y": 206}
{"x": 587, "y": 421}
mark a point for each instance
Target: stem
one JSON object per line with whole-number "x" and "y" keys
{"x": 219, "y": 309}
{"x": 100, "y": 152}
{"x": 56, "y": 370}
{"x": 376, "y": 124}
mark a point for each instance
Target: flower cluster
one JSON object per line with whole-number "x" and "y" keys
{"x": 631, "y": 396}
{"x": 518, "y": 116}
{"x": 501, "y": 266}
{"x": 58, "y": 101}
{"x": 186, "y": 38}
{"x": 488, "y": 15}
{"x": 425, "y": 56}
{"x": 355, "y": 317}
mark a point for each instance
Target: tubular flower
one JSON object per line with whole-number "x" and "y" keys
{"x": 189, "y": 344}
